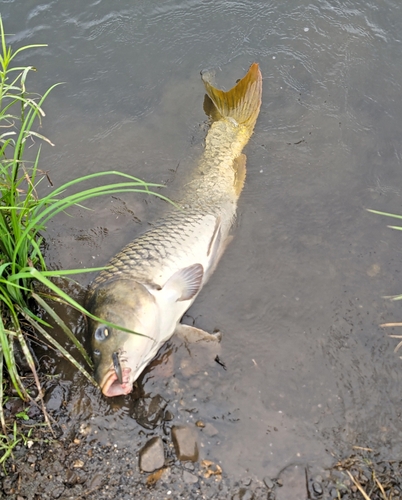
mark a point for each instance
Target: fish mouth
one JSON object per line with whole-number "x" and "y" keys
{"x": 111, "y": 385}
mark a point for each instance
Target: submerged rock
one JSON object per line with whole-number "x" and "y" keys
{"x": 293, "y": 480}
{"x": 268, "y": 482}
{"x": 185, "y": 440}
{"x": 56, "y": 396}
{"x": 149, "y": 412}
{"x": 189, "y": 478}
{"x": 243, "y": 494}
{"x": 317, "y": 488}
{"x": 210, "y": 430}
{"x": 152, "y": 455}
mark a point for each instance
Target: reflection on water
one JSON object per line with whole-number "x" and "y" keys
{"x": 298, "y": 295}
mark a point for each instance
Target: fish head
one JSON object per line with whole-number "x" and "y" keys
{"x": 120, "y": 356}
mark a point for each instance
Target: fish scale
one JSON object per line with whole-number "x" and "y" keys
{"x": 163, "y": 246}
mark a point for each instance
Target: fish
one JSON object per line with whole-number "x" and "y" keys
{"x": 149, "y": 285}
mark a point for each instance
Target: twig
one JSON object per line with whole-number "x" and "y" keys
{"x": 358, "y": 486}
{"x": 380, "y": 486}
{"x": 361, "y": 448}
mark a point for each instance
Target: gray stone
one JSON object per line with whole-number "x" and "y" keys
{"x": 210, "y": 430}
{"x": 55, "y": 397}
{"x": 71, "y": 477}
{"x": 149, "y": 412}
{"x": 333, "y": 493}
{"x": 317, "y": 488}
{"x": 57, "y": 491}
{"x": 189, "y": 478}
{"x": 293, "y": 479}
{"x": 8, "y": 484}
{"x": 243, "y": 494}
{"x": 185, "y": 440}
{"x": 168, "y": 416}
{"x": 152, "y": 455}
{"x": 268, "y": 482}
{"x": 96, "y": 481}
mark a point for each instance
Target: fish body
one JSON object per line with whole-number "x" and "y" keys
{"x": 152, "y": 281}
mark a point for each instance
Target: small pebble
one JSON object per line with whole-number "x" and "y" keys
{"x": 317, "y": 488}
{"x": 168, "y": 416}
{"x": 333, "y": 493}
{"x": 185, "y": 442}
{"x": 96, "y": 481}
{"x": 268, "y": 482}
{"x": 189, "y": 478}
{"x": 152, "y": 455}
{"x": 71, "y": 477}
{"x": 243, "y": 494}
{"x": 293, "y": 483}
{"x": 210, "y": 430}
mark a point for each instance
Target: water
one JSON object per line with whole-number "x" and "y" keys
{"x": 299, "y": 293}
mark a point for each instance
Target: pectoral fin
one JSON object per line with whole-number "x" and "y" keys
{"x": 185, "y": 283}
{"x": 193, "y": 335}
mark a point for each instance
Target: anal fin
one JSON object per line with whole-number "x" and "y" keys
{"x": 239, "y": 166}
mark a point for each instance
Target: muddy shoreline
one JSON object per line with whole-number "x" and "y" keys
{"x": 74, "y": 464}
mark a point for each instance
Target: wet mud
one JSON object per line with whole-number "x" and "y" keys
{"x": 155, "y": 446}
{"x": 71, "y": 463}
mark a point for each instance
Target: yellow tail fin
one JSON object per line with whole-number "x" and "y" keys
{"x": 241, "y": 103}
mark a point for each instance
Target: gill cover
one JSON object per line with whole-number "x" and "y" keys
{"x": 130, "y": 305}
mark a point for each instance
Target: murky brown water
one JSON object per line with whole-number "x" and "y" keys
{"x": 298, "y": 294}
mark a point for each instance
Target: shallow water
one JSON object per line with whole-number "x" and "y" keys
{"x": 299, "y": 293}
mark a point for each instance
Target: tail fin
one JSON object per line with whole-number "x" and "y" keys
{"x": 241, "y": 103}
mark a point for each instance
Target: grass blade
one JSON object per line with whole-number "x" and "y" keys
{"x": 64, "y": 327}
{"x": 59, "y": 347}
{"x": 396, "y": 216}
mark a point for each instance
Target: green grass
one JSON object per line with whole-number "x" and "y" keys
{"x": 392, "y": 297}
{"x": 399, "y": 228}
{"x": 10, "y": 441}
{"x": 23, "y": 219}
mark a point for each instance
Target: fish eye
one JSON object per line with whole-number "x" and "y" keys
{"x": 101, "y": 333}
